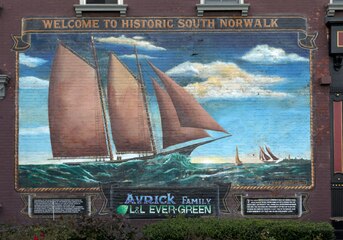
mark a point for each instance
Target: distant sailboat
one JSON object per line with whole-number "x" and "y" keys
{"x": 264, "y": 157}
{"x": 238, "y": 162}
{"x": 78, "y": 119}
{"x": 271, "y": 154}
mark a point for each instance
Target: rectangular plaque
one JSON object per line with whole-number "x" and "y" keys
{"x": 59, "y": 206}
{"x": 164, "y": 202}
{"x": 271, "y": 206}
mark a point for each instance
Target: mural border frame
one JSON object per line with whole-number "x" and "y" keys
{"x": 98, "y": 189}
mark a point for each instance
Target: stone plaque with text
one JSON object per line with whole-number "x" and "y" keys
{"x": 271, "y": 206}
{"x": 59, "y": 206}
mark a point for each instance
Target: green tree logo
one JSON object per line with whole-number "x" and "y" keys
{"x": 122, "y": 209}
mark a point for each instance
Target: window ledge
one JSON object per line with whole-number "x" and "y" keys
{"x": 79, "y": 8}
{"x": 244, "y": 8}
{"x": 3, "y": 81}
{"x": 332, "y": 8}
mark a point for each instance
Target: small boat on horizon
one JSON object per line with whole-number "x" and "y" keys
{"x": 238, "y": 162}
{"x": 267, "y": 158}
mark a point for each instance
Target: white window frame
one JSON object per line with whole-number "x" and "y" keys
{"x": 101, "y": 7}
{"x": 334, "y": 6}
{"x": 120, "y": 2}
{"x": 240, "y": 1}
{"x": 239, "y": 5}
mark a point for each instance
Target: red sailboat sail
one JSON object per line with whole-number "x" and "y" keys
{"x": 173, "y": 132}
{"x": 263, "y": 156}
{"x": 127, "y": 111}
{"x": 75, "y": 113}
{"x": 190, "y": 113}
{"x": 238, "y": 162}
{"x": 271, "y": 154}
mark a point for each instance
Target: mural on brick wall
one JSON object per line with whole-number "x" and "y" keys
{"x": 161, "y": 109}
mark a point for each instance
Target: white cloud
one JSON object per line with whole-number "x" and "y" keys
{"x": 266, "y": 54}
{"x": 34, "y": 131}
{"x": 135, "y": 41}
{"x": 31, "y": 61}
{"x": 138, "y": 37}
{"x": 32, "y": 82}
{"x": 142, "y": 56}
{"x": 225, "y": 80}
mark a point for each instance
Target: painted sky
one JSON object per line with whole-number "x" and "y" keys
{"x": 256, "y": 85}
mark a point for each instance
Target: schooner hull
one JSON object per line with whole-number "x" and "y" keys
{"x": 186, "y": 150}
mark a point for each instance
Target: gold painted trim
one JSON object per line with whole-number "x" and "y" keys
{"x": 16, "y": 140}
{"x": 163, "y": 30}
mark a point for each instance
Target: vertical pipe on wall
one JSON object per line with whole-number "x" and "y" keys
{"x": 89, "y": 207}
{"x": 337, "y": 135}
{"x": 53, "y": 210}
{"x": 120, "y": 2}
{"x": 82, "y": 2}
{"x": 29, "y": 205}
{"x": 300, "y": 204}
{"x": 218, "y": 202}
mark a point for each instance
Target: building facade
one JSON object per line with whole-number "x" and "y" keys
{"x": 150, "y": 109}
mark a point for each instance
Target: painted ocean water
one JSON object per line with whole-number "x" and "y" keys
{"x": 171, "y": 170}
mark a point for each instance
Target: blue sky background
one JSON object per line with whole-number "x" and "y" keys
{"x": 263, "y": 98}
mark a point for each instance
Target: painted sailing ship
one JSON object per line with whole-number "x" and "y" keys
{"x": 268, "y": 157}
{"x": 238, "y": 162}
{"x": 78, "y": 118}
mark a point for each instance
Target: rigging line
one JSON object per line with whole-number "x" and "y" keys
{"x": 152, "y": 102}
{"x": 144, "y": 93}
{"x": 109, "y": 149}
{"x": 137, "y": 81}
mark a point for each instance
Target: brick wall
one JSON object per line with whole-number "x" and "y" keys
{"x": 10, "y": 23}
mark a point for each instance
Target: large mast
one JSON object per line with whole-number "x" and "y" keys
{"x": 109, "y": 149}
{"x": 141, "y": 81}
